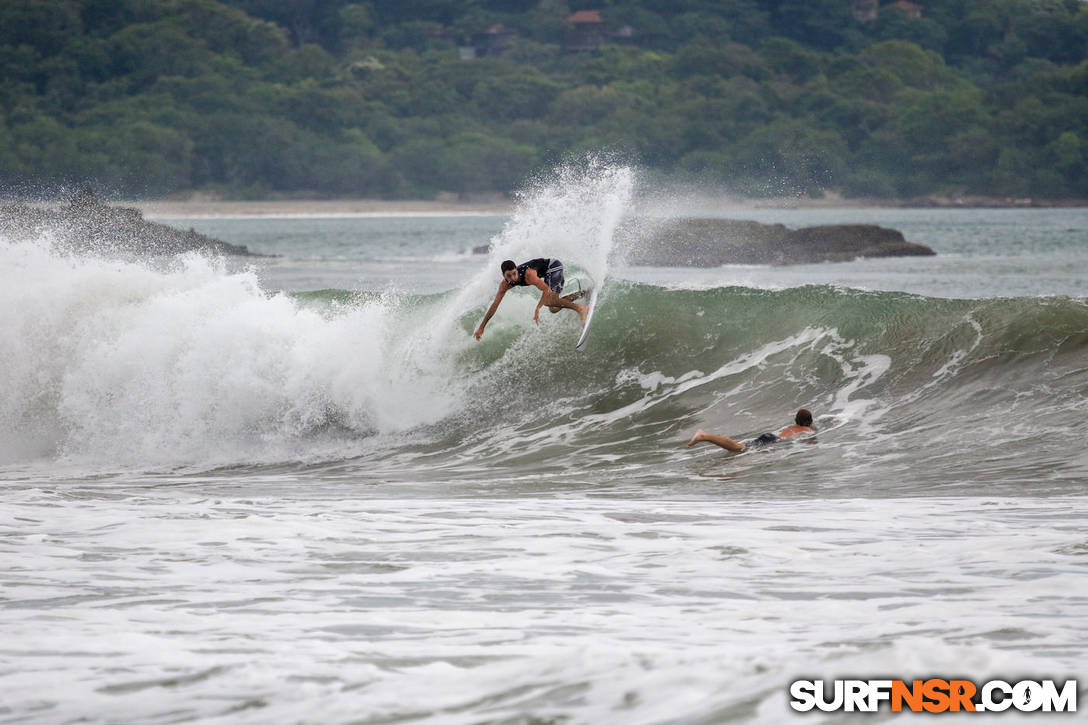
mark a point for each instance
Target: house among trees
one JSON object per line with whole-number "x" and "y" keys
{"x": 490, "y": 42}
{"x": 625, "y": 34}
{"x": 493, "y": 40}
{"x": 866, "y": 11}
{"x": 911, "y": 10}
{"x": 586, "y": 32}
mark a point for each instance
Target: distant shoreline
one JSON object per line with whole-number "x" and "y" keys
{"x": 204, "y": 208}
{"x": 196, "y": 209}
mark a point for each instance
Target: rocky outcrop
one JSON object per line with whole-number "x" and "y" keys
{"x": 88, "y": 225}
{"x": 714, "y": 242}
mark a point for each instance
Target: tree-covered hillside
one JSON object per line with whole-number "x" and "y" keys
{"x": 407, "y": 98}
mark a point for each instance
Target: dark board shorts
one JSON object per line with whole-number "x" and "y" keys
{"x": 554, "y": 276}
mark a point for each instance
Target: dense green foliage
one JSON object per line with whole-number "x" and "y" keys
{"x": 371, "y": 98}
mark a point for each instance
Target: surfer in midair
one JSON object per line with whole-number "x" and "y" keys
{"x": 802, "y": 423}
{"x": 545, "y": 274}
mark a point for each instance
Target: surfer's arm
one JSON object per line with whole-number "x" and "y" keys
{"x": 503, "y": 286}
{"x": 531, "y": 277}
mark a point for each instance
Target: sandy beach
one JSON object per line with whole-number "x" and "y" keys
{"x": 689, "y": 203}
{"x": 312, "y": 208}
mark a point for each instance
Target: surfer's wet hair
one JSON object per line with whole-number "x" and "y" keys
{"x": 508, "y": 264}
{"x": 804, "y": 418}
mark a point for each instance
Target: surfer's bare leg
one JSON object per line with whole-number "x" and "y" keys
{"x": 569, "y": 298}
{"x": 722, "y": 441}
{"x": 551, "y": 299}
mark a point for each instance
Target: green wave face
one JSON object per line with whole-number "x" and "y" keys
{"x": 910, "y": 387}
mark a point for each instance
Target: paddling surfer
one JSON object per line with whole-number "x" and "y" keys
{"x": 545, "y": 274}
{"x": 802, "y": 423}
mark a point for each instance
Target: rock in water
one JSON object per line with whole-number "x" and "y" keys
{"x": 714, "y": 242}
{"x": 88, "y": 225}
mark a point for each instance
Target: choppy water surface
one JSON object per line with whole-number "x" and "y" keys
{"x": 300, "y": 491}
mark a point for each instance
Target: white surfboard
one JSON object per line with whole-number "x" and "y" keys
{"x": 589, "y": 317}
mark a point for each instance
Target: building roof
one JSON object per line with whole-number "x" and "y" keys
{"x": 498, "y": 29}
{"x": 586, "y": 16}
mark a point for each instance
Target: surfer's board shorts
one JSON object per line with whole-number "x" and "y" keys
{"x": 553, "y": 277}
{"x": 764, "y": 440}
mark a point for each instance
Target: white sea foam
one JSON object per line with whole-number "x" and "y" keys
{"x": 175, "y": 604}
{"x": 125, "y": 363}
{"x": 115, "y": 361}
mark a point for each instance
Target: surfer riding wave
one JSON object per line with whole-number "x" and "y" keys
{"x": 545, "y": 274}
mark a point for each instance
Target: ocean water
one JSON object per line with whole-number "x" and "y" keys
{"x": 294, "y": 489}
